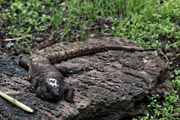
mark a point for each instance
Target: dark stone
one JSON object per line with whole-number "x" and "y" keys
{"x": 10, "y": 66}
{"x": 114, "y": 85}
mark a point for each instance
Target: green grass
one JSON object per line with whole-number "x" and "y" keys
{"x": 149, "y": 23}
{"x": 162, "y": 110}
{"x": 145, "y": 26}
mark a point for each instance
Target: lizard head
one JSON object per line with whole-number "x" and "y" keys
{"x": 53, "y": 87}
{"x": 50, "y": 90}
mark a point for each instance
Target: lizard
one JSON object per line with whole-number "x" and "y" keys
{"x": 47, "y": 81}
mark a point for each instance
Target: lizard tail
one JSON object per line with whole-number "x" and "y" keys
{"x": 68, "y": 54}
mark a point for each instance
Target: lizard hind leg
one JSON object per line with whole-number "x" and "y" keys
{"x": 24, "y": 62}
{"x": 34, "y": 85}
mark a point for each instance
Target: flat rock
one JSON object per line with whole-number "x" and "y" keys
{"x": 112, "y": 86}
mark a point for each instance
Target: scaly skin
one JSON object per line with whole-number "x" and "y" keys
{"x": 47, "y": 81}
{"x": 68, "y": 54}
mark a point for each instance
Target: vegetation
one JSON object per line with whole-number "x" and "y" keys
{"x": 163, "y": 110}
{"x": 150, "y": 23}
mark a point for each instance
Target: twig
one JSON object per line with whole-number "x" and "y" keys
{"x": 12, "y": 39}
{"x": 17, "y": 38}
{"x": 1, "y": 49}
{"x": 175, "y": 115}
{"x": 161, "y": 52}
{"x": 15, "y": 102}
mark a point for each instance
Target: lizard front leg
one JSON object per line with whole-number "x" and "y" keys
{"x": 69, "y": 94}
{"x": 34, "y": 85}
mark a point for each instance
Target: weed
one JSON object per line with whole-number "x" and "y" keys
{"x": 143, "y": 26}
{"x": 162, "y": 110}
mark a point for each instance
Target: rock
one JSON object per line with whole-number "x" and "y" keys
{"x": 113, "y": 86}
{"x": 10, "y": 66}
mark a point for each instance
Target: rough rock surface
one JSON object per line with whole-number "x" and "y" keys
{"x": 112, "y": 86}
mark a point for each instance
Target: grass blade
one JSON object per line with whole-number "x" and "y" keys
{"x": 15, "y": 102}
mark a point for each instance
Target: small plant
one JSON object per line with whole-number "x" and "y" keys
{"x": 176, "y": 80}
{"x": 143, "y": 26}
{"x": 164, "y": 109}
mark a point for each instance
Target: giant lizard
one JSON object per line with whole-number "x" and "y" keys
{"x": 47, "y": 81}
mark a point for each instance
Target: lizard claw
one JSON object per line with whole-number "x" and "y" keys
{"x": 31, "y": 89}
{"x": 69, "y": 99}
